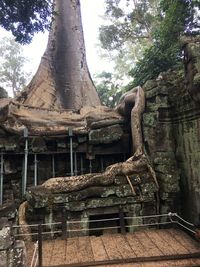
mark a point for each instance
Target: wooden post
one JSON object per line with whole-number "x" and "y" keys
{"x": 39, "y": 245}
{"x": 64, "y": 223}
{"x": 122, "y": 222}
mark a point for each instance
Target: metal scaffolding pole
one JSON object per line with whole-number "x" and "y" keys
{"x": 1, "y": 182}
{"x": 53, "y": 166}
{"x": 102, "y": 164}
{"x": 90, "y": 165}
{"x": 35, "y": 169}
{"x": 24, "y": 181}
{"x": 70, "y": 132}
{"x": 82, "y": 164}
{"x": 75, "y": 164}
{"x": 124, "y": 156}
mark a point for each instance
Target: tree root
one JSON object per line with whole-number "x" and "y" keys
{"x": 24, "y": 229}
{"x": 137, "y": 165}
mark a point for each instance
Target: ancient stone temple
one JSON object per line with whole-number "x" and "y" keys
{"x": 59, "y": 154}
{"x": 57, "y": 127}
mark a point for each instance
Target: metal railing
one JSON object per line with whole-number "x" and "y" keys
{"x": 63, "y": 228}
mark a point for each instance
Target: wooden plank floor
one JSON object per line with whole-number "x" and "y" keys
{"x": 141, "y": 244}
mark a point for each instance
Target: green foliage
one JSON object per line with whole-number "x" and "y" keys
{"x": 128, "y": 31}
{"x": 12, "y": 63}
{"x": 128, "y": 21}
{"x": 153, "y": 29}
{"x": 108, "y": 88}
{"x": 3, "y": 93}
{"x": 25, "y": 17}
{"x": 177, "y": 18}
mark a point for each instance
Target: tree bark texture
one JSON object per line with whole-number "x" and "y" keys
{"x": 63, "y": 80}
{"x": 15, "y": 117}
{"x": 24, "y": 229}
{"x": 132, "y": 104}
{"x": 137, "y": 164}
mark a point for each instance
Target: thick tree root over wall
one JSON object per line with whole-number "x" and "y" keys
{"x": 132, "y": 104}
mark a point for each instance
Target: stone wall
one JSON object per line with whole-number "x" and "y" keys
{"x": 160, "y": 142}
{"x": 50, "y": 157}
{"x": 171, "y": 126}
{"x": 187, "y": 131}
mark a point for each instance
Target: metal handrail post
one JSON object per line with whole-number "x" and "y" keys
{"x": 64, "y": 224}
{"x": 39, "y": 245}
{"x": 122, "y": 222}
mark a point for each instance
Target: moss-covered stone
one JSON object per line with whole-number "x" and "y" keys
{"x": 150, "y": 119}
{"x": 38, "y": 145}
{"x": 105, "y": 135}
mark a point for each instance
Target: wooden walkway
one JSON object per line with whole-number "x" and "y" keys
{"x": 142, "y": 248}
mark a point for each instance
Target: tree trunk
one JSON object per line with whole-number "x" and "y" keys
{"x": 138, "y": 164}
{"x": 63, "y": 80}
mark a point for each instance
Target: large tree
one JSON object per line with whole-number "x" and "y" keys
{"x": 109, "y": 88}
{"x": 128, "y": 26}
{"x": 12, "y": 65}
{"x": 153, "y": 28}
{"x": 24, "y": 18}
{"x": 63, "y": 80}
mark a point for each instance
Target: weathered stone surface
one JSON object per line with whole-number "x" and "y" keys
{"x": 106, "y": 202}
{"x": 38, "y": 145}
{"x": 5, "y": 238}
{"x": 3, "y": 258}
{"x": 148, "y": 189}
{"x": 149, "y": 85}
{"x": 192, "y": 66}
{"x": 159, "y": 137}
{"x": 8, "y": 210}
{"x": 105, "y": 135}
{"x": 164, "y": 157}
{"x": 171, "y": 127}
{"x": 9, "y": 143}
{"x": 106, "y": 123}
{"x": 17, "y": 256}
{"x": 150, "y": 119}
{"x": 12, "y": 253}
{"x": 42, "y": 197}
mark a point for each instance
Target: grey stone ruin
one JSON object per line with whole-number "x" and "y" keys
{"x": 12, "y": 252}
